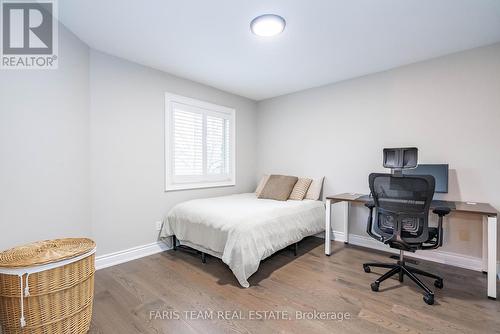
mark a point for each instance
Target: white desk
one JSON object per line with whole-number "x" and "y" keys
{"x": 488, "y": 213}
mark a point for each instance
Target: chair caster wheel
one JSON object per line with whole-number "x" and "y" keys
{"x": 374, "y": 286}
{"x": 438, "y": 283}
{"x": 429, "y": 299}
{"x": 366, "y": 269}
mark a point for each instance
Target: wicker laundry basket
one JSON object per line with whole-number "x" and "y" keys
{"x": 47, "y": 287}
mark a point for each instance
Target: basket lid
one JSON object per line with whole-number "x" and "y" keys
{"x": 44, "y": 252}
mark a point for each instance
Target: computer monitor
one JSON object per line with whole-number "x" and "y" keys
{"x": 439, "y": 171}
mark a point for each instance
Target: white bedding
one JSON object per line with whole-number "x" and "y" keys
{"x": 241, "y": 229}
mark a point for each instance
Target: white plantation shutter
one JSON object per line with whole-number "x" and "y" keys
{"x": 199, "y": 142}
{"x": 188, "y": 142}
{"x": 216, "y": 146}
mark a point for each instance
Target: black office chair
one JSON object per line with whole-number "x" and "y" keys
{"x": 402, "y": 205}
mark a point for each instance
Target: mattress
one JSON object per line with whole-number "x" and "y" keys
{"x": 241, "y": 229}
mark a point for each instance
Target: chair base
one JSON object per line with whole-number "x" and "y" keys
{"x": 401, "y": 269}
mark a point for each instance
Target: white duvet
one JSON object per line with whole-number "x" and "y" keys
{"x": 241, "y": 229}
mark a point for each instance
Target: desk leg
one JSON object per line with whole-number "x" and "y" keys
{"x": 492, "y": 257}
{"x": 484, "y": 264}
{"x": 328, "y": 227}
{"x": 346, "y": 221}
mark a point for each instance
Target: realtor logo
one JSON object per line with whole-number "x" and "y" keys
{"x": 29, "y": 34}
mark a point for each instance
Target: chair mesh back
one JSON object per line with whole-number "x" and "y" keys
{"x": 405, "y": 198}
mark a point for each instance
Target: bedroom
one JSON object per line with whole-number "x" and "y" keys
{"x": 86, "y": 144}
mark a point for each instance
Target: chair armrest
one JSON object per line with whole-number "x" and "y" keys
{"x": 370, "y": 205}
{"x": 441, "y": 211}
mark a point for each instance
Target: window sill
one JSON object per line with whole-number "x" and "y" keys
{"x": 187, "y": 186}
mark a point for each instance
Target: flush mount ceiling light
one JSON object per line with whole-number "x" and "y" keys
{"x": 267, "y": 25}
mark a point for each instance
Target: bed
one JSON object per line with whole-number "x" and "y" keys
{"x": 241, "y": 229}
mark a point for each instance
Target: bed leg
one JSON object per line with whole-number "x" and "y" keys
{"x": 174, "y": 242}
{"x": 295, "y": 248}
{"x": 203, "y": 258}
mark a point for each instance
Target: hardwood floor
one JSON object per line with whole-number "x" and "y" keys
{"x": 128, "y": 296}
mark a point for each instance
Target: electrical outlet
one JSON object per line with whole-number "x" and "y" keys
{"x": 158, "y": 225}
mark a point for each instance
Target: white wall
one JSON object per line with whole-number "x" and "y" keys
{"x": 82, "y": 149}
{"x": 127, "y": 149}
{"x": 448, "y": 107}
{"x": 44, "y": 148}
{"x": 82, "y": 154}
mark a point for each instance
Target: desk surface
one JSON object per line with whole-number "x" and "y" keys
{"x": 478, "y": 208}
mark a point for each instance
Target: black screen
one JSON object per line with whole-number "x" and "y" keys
{"x": 440, "y": 173}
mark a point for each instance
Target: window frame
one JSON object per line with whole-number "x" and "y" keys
{"x": 204, "y": 181}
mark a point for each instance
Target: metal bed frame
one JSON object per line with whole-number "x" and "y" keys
{"x": 295, "y": 248}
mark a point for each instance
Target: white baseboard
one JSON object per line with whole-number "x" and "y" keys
{"x": 458, "y": 260}
{"x": 338, "y": 236}
{"x": 453, "y": 259}
{"x": 112, "y": 259}
{"x": 335, "y": 236}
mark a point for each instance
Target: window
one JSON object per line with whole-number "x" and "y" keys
{"x": 199, "y": 144}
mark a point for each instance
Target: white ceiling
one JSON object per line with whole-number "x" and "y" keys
{"x": 325, "y": 41}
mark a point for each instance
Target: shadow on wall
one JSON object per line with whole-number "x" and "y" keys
{"x": 453, "y": 186}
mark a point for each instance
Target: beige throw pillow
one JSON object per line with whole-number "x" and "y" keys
{"x": 261, "y": 184}
{"x": 278, "y": 187}
{"x": 299, "y": 191}
{"x": 314, "y": 190}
